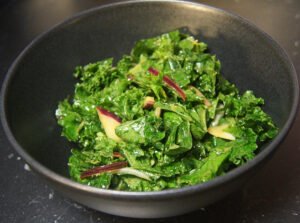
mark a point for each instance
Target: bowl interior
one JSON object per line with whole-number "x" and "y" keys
{"x": 42, "y": 75}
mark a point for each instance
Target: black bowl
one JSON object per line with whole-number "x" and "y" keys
{"x": 41, "y": 76}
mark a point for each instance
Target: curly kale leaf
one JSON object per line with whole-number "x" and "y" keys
{"x": 94, "y": 76}
{"x": 197, "y": 126}
{"x": 69, "y": 119}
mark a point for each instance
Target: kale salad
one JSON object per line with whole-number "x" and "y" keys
{"x": 161, "y": 117}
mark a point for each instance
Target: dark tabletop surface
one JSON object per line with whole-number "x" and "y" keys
{"x": 273, "y": 195}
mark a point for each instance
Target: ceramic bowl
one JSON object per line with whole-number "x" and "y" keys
{"x": 42, "y": 76}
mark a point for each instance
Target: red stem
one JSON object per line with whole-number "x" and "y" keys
{"x": 102, "y": 169}
{"x": 153, "y": 71}
{"x": 169, "y": 82}
{"x": 109, "y": 114}
{"x": 175, "y": 86}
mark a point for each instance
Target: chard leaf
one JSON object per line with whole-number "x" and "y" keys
{"x": 208, "y": 170}
{"x": 145, "y": 130}
{"x": 198, "y": 128}
{"x": 207, "y": 131}
{"x": 184, "y": 138}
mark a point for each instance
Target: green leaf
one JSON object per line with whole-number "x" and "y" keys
{"x": 208, "y": 170}
{"x": 184, "y": 138}
{"x": 166, "y": 145}
{"x": 198, "y": 128}
{"x": 260, "y": 123}
{"x": 144, "y": 130}
{"x": 94, "y": 76}
{"x": 105, "y": 145}
{"x": 81, "y": 161}
{"x": 70, "y": 120}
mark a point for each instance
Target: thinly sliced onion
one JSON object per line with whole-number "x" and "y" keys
{"x": 218, "y": 131}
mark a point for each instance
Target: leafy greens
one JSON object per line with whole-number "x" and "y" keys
{"x": 167, "y": 118}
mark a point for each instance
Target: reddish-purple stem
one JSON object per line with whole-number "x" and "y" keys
{"x": 169, "y": 82}
{"x": 175, "y": 86}
{"x": 102, "y": 169}
{"x": 153, "y": 71}
{"x": 109, "y": 114}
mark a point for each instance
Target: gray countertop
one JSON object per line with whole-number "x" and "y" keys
{"x": 273, "y": 195}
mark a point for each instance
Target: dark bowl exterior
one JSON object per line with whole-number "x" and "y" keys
{"x": 41, "y": 76}
{"x": 149, "y": 205}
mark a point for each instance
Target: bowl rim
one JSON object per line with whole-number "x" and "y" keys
{"x": 151, "y": 195}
